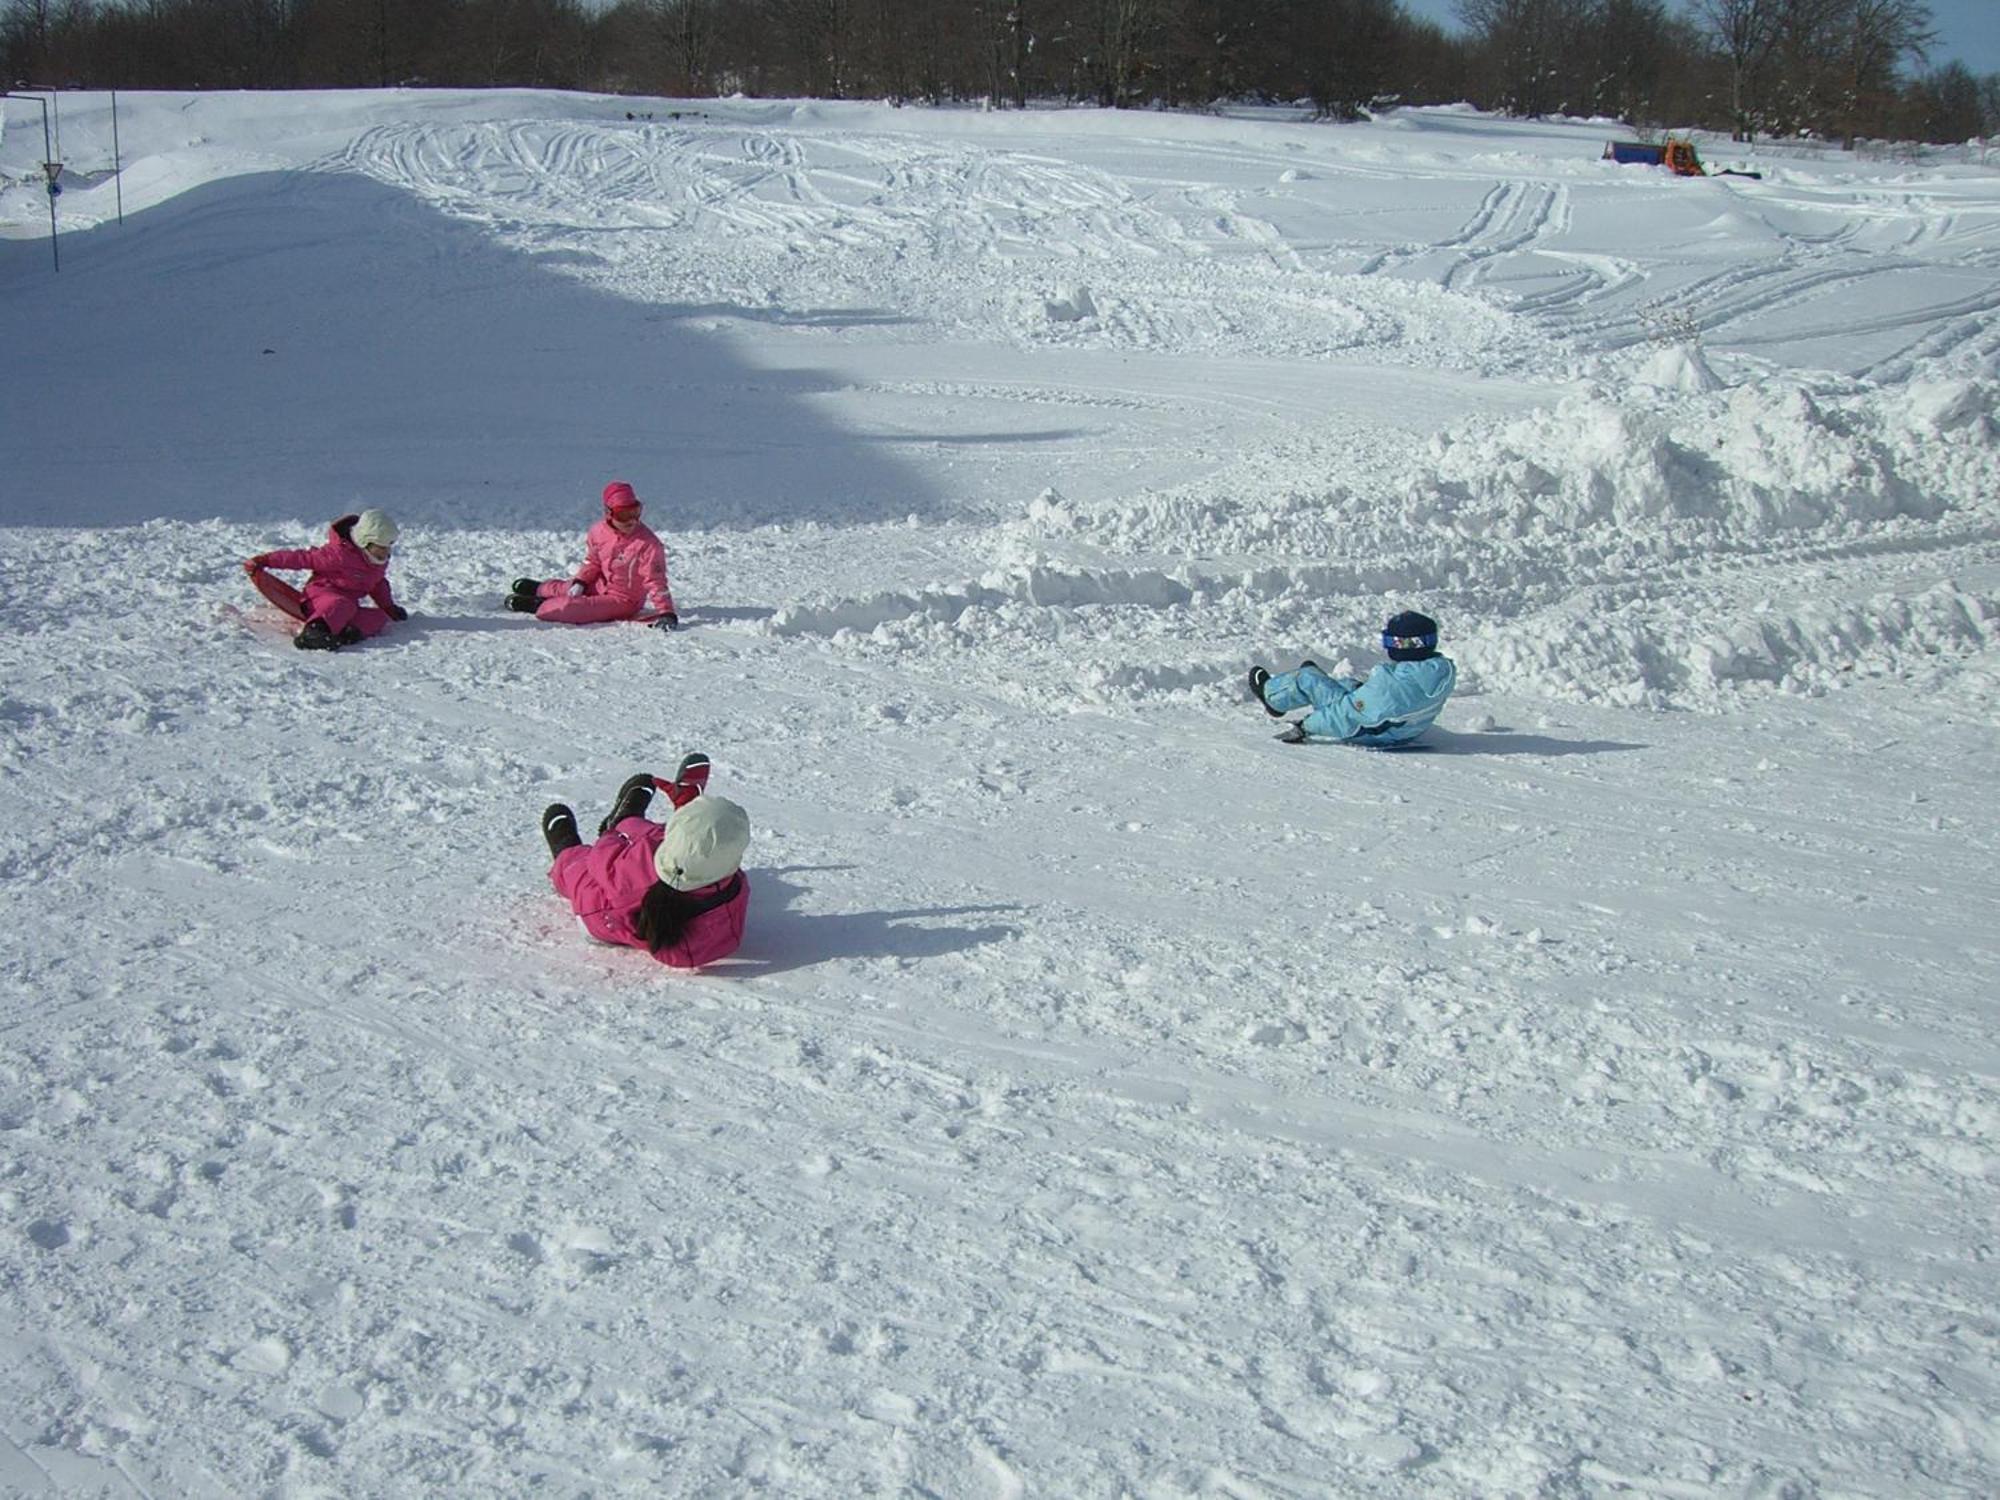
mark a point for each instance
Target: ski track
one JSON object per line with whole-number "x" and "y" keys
{"x": 1108, "y": 1100}
{"x": 923, "y": 213}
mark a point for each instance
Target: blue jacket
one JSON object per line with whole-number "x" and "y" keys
{"x": 1398, "y": 702}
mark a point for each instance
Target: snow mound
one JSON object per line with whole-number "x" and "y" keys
{"x": 1669, "y": 657}
{"x": 1951, "y": 406}
{"x": 1037, "y": 587}
{"x": 1073, "y": 308}
{"x": 1749, "y": 461}
{"x": 1680, "y": 367}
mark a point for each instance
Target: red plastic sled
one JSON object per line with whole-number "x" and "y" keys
{"x": 280, "y": 593}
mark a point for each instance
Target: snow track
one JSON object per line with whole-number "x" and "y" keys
{"x": 964, "y": 238}
{"x": 958, "y": 238}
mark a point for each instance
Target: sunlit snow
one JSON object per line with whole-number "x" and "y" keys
{"x": 1108, "y": 1100}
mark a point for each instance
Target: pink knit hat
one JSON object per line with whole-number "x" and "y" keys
{"x": 618, "y": 495}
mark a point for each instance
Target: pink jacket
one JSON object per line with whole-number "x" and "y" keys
{"x": 632, "y": 567}
{"x": 340, "y": 567}
{"x": 605, "y": 881}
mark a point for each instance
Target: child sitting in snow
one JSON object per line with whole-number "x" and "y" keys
{"x": 623, "y": 577}
{"x": 1398, "y": 702}
{"x": 353, "y": 565}
{"x": 677, "y": 890}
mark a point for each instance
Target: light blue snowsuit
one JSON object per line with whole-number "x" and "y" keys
{"x": 1397, "y": 703}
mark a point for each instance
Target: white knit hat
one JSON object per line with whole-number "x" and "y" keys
{"x": 704, "y": 843}
{"x": 373, "y": 528}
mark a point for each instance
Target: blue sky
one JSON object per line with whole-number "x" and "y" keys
{"x": 1967, "y": 30}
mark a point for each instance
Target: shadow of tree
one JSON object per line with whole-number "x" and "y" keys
{"x": 350, "y": 344}
{"x": 779, "y": 939}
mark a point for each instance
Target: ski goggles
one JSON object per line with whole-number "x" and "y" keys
{"x": 1409, "y": 642}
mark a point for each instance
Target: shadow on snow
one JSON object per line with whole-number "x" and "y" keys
{"x": 780, "y": 939}
{"x": 291, "y": 346}
{"x": 1505, "y": 742}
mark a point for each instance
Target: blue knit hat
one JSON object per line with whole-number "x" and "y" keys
{"x": 1410, "y": 636}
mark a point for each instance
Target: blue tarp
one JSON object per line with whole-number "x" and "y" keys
{"x": 1636, "y": 151}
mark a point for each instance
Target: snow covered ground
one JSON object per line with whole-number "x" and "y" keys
{"x": 1108, "y": 1100}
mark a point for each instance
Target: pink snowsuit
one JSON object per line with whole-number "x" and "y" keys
{"x": 605, "y": 881}
{"x": 342, "y": 575}
{"x": 623, "y": 578}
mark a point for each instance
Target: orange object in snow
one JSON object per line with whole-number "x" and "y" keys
{"x": 1676, "y": 156}
{"x": 1681, "y": 160}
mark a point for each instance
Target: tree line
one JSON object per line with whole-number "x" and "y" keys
{"x": 1837, "y": 69}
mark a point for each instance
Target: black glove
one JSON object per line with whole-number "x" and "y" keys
{"x": 667, "y": 621}
{"x": 397, "y": 613}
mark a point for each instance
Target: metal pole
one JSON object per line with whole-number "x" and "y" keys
{"x": 50, "y": 167}
{"x": 53, "y": 249}
{"x": 117, "y": 165}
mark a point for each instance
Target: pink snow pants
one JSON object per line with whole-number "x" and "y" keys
{"x": 339, "y": 612}
{"x": 337, "y": 609}
{"x": 585, "y": 609}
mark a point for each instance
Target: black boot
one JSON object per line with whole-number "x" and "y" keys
{"x": 350, "y": 635}
{"x": 314, "y": 636}
{"x": 525, "y": 585}
{"x": 523, "y": 603}
{"x": 1258, "y": 677}
{"x": 559, "y": 828}
{"x": 633, "y": 799}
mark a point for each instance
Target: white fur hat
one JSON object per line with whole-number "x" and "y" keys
{"x": 373, "y": 528}
{"x": 704, "y": 843}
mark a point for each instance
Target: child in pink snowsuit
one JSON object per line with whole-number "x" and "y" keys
{"x": 677, "y": 890}
{"x": 623, "y": 577}
{"x": 353, "y": 565}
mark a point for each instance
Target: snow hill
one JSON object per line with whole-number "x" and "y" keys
{"x": 1108, "y": 1100}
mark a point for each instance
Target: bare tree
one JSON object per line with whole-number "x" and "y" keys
{"x": 1115, "y": 34}
{"x": 1876, "y": 36}
{"x": 1021, "y": 16}
{"x": 1746, "y": 32}
{"x": 1528, "y": 47}
{"x": 1348, "y": 51}
{"x": 1944, "y": 105}
{"x": 1626, "y": 54}
{"x": 686, "y": 30}
{"x": 818, "y": 38}
{"x": 25, "y": 39}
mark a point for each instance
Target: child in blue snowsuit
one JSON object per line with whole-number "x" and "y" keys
{"x": 1398, "y": 702}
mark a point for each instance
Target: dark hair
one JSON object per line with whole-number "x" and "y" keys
{"x": 664, "y": 913}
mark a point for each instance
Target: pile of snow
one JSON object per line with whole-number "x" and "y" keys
{"x": 1679, "y": 367}
{"x": 1683, "y": 654}
{"x": 1073, "y": 308}
{"x": 1630, "y": 469}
